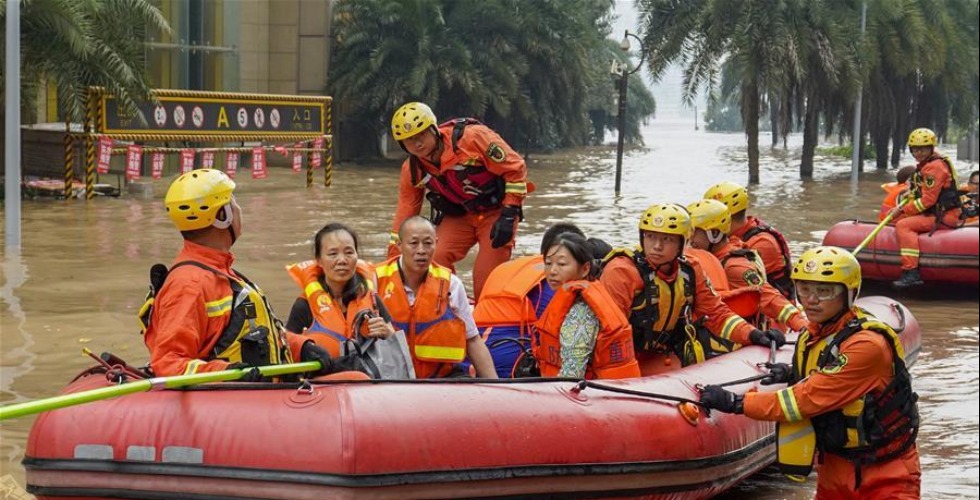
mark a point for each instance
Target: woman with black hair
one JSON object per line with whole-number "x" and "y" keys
{"x": 582, "y": 334}
{"x": 338, "y": 292}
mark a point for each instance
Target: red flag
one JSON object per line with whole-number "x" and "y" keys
{"x": 298, "y": 157}
{"x": 105, "y": 154}
{"x": 317, "y": 156}
{"x": 134, "y": 161}
{"x": 157, "y": 161}
{"x": 207, "y": 159}
{"x": 231, "y": 164}
{"x": 258, "y": 163}
{"x": 186, "y": 160}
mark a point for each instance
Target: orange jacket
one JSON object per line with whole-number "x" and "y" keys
{"x": 479, "y": 145}
{"x": 622, "y": 280}
{"x": 743, "y": 273}
{"x": 504, "y": 299}
{"x": 612, "y": 355}
{"x": 892, "y": 191}
{"x": 191, "y": 311}
{"x": 436, "y": 337}
{"x": 868, "y": 370}
{"x": 765, "y": 245}
{"x": 332, "y": 324}
{"x": 931, "y": 177}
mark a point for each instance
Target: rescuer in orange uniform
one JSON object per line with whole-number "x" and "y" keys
{"x": 757, "y": 235}
{"x": 202, "y": 315}
{"x": 934, "y": 202}
{"x": 743, "y": 267}
{"x": 662, "y": 292}
{"x": 474, "y": 181}
{"x": 850, "y": 394}
{"x": 428, "y": 302}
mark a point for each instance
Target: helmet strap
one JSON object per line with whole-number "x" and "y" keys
{"x": 224, "y": 217}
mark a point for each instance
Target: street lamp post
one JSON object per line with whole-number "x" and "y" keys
{"x": 623, "y": 73}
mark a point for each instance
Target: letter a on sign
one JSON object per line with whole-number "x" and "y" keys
{"x": 222, "y": 118}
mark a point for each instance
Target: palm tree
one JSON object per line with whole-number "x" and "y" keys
{"x": 79, "y": 43}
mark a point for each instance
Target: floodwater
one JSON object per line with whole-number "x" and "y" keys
{"x": 82, "y": 272}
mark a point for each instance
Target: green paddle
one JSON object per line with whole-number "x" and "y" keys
{"x": 152, "y": 384}
{"x": 885, "y": 221}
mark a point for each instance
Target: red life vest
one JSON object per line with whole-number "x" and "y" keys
{"x": 331, "y": 326}
{"x": 436, "y": 337}
{"x": 612, "y": 356}
{"x": 468, "y": 184}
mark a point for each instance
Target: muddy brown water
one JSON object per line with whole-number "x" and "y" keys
{"x": 81, "y": 274}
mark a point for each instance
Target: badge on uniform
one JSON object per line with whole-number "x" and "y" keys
{"x": 496, "y": 153}
{"x": 930, "y": 181}
{"x": 752, "y": 277}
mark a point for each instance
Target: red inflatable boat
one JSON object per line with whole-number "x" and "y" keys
{"x": 948, "y": 256}
{"x": 414, "y": 439}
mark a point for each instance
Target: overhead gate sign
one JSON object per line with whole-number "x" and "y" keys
{"x": 183, "y": 113}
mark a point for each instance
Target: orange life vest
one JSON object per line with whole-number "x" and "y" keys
{"x": 504, "y": 299}
{"x": 436, "y": 337}
{"x": 331, "y": 326}
{"x": 612, "y": 356}
{"x": 892, "y": 190}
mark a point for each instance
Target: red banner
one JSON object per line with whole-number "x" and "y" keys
{"x": 207, "y": 159}
{"x": 298, "y": 157}
{"x": 157, "y": 161}
{"x": 186, "y": 160}
{"x": 317, "y": 156}
{"x": 258, "y": 163}
{"x": 134, "y": 161}
{"x": 231, "y": 164}
{"x": 105, "y": 154}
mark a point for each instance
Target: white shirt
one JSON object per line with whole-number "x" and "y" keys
{"x": 458, "y": 302}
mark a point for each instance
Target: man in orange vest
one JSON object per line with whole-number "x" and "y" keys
{"x": 475, "y": 181}
{"x": 428, "y": 302}
{"x": 934, "y": 201}
{"x": 662, "y": 291}
{"x": 202, "y": 315}
{"x": 757, "y": 235}
{"x": 743, "y": 267}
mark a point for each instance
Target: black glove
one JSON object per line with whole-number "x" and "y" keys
{"x": 764, "y": 338}
{"x": 251, "y": 375}
{"x": 716, "y": 398}
{"x": 313, "y": 352}
{"x": 503, "y": 230}
{"x": 779, "y": 373}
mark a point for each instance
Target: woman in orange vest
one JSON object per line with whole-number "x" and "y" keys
{"x": 582, "y": 334}
{"x": 337, "y": 288}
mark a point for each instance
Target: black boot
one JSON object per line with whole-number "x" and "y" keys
{"x": 909, "y": 279}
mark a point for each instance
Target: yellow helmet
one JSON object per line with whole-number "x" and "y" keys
{"x": 669, "y": 218}
{"x": 710, "y": 214}
{"x": 922, "y": 137}
{"x": 731, "y": 194}
{"x": 829, "y": 265}
{"x": 194, "y": 199}
{"x": 411, "y": 119}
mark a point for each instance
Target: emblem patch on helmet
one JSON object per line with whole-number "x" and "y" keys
{"x": 657, "y": 221}
{"x": 810, "y": 266}
{"x": 496, "y": 153}
{"x": 407, "y": 126}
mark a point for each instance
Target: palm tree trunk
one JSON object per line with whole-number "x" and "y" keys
{"x": 751, "y": 114}
{"x": 774, "y": 120}
{"x": 811, "y": 125}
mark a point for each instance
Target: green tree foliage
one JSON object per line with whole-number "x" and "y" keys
{"x": 527, "y": 68}
{"x": 78, "y": 43}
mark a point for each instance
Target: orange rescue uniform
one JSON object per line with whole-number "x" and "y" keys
{"x": 612, "y": 354}
{"x": 868, "y": 369}
{"x": 622, "y": 280}
{"x": 478, "y": 148}
{"x": 768, "y": 248}
{"x": 932, "y": 176}
{"x": 192, "y": 310}
{"x": 742, "y": 272}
